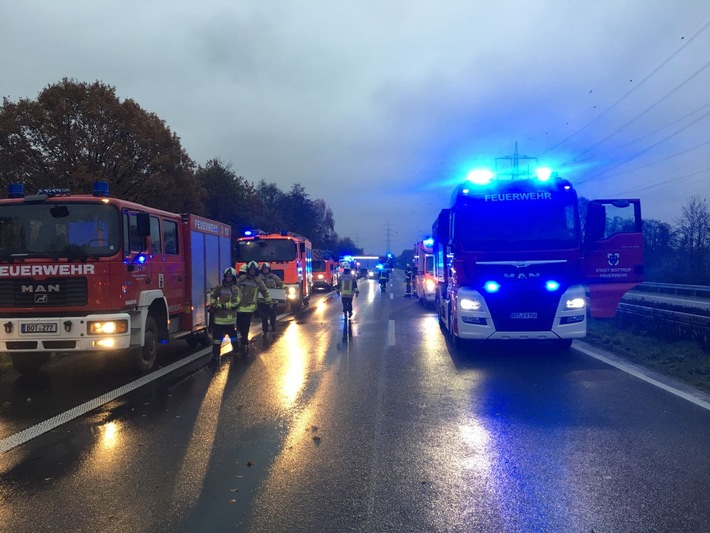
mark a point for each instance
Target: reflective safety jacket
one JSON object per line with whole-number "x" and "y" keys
{"x": 250, "y": 288}
{"x": 272, "y": 281}
{"x": 347, "y": 286}
{"x": 224, "y": 301}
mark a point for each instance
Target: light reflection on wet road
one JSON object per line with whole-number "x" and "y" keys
{"x": 328, "y": 427}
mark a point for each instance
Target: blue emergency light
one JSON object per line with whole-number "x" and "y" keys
{"x": 491, "y": 286}
{"x": 16, "y": 190}
{"x": 552, "y": 285}
{"x": 101, "y": 188}
{"x": 481, "y": 176}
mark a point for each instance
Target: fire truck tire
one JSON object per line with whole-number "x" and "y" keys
{"x": 30, "y": 364}
{"x": 296, "y": 305}
{"x": 205, "y": 337}
{"x": 145, "y": 356}
{"x": 561, "y": 345}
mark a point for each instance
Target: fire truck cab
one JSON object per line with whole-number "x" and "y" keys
{"x": 290, "y": 256}
{"x": 512, "y": 262}
{"x": 91, "y": 273}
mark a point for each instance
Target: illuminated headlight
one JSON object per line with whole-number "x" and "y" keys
{"x": 105, "y": 343}
{"x": 320, "y": 276}
{"x": 575, "y": 303}
{"x": 429, "y": 285}
{"x": 109, "y": 327}
{"x": 292, "y": 293}
{"x": 468, "y": 304}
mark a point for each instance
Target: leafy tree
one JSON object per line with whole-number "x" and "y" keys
{"x": 229, "y": 198}
{"x": 76, "y": 133}
{"x": 693, "y": 238}
{"x": 346, "y": 247}
{"x": 660, "y": 260}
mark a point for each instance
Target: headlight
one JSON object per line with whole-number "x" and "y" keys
{"x": 320, "y": 276}
{"x": 467, "y": 304}
{"x": 108, "y": 327}
{"x": 292, "y": 293}
{"x": 429, "y": 285}
{"x": 575, "y": 303}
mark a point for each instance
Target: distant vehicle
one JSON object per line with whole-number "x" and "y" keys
{"x": 325, "y": 274}
{"x": 290, "y": 256}
{"x": 424, "y": 285}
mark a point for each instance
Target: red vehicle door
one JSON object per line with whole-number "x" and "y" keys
{"x": 612, "y": 261}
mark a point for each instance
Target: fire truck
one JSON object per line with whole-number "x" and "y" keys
{"x": 91, "y": 273}
{"x": 424, "y": 285}
{"x": 325, "y": 271}
{"x": 512, "y": 260}
{"x": 290, "y": 256}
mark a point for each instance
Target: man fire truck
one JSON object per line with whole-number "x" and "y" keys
{"x": 290, "y": 256}
{"x": 424, "y": 280}
{"x": 91, "y": 273}
{"x": 511, "y": 259}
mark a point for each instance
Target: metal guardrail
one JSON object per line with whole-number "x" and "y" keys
{"x": 697, "y": 291}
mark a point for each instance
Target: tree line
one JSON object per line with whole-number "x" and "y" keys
{"x": 75, "y": 133}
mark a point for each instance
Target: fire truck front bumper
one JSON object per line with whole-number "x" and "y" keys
{"x": 66, "y": 334}
{"x": 475, "y": 321}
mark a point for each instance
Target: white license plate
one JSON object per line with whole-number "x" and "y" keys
{"x": 39, "y": 327}
{"x": 523, "y": 315}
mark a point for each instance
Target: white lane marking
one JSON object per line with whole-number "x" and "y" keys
{"x": 390, "y": 333}
{"x": 699, "y": 398}
{"x": 21, "y": 437}
{"x": 391, "y": 296}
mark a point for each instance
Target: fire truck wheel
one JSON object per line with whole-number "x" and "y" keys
{"x": 145, "y": 356}
{"x": 30, "y": 364}
{"x": 296, "y": 305}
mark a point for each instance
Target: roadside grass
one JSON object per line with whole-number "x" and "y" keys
{"x": 685, "y": 360}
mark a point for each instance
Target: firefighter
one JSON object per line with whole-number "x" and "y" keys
{"x": 347, "y": 288}
{"x": 408, "y": 281}
{"x": 224, "y": 301}
{"x": 250, "y": 286}
{"x": 268, "y": 311}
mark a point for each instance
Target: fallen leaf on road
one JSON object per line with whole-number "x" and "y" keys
{"x": 234, "y": 490}
{"x": 232, "y": 500}
{"x": 249, "y": 463}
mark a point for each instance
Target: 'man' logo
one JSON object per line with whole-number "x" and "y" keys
{"x": 612, "y": 259}
{"x": 40, "y": 289}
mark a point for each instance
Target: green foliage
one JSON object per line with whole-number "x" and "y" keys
{"x": 76, "y": 133}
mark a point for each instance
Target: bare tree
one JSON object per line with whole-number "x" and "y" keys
{"x": 693, "y": 239}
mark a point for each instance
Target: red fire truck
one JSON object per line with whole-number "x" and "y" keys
{"x": 512, "y": 260}
{"x": 424, "y": 285}
{"x": 325, "y": 271}
{"x": 290, "y": 256}
{"x": 91, "y": 273}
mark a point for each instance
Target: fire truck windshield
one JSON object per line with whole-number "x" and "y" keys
{"x": 318, "y": 265}
{"x": 58, "y": 230}
{"x": 268, "y": 250}
{"x": 481, "y": 225}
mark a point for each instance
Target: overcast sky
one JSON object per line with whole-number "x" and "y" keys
{"x": 381, "y": 107}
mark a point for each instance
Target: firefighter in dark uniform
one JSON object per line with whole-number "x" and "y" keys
{"x": 408, "y": 275}
{"x": 250, "y": 286}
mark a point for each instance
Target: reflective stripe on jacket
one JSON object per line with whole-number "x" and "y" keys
{"x": 224, "y": 301}
{"x": 348, "y": 285}
{"x": 250, "y": 289}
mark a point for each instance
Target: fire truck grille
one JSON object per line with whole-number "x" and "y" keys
{"x": 51, "y": 292}
{"x": 526, "y": 309}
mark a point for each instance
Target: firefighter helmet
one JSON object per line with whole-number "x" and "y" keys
{"x": 243, "y": 268}
{"x": 346, "y": 266}
{"x": 266, "y": 265}
{"x": 230, "y": 270}
{"x": 252, "y": 264}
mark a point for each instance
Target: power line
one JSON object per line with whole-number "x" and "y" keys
{"x": 634, "y": 89}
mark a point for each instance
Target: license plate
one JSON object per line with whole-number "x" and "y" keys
{"x": 523, "y": 315}
{"x": 39, "y": 327}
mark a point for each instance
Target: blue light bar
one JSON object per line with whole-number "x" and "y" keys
{"x": 16, "y": 190}
{"x": 248, "y": 233}
{"x": 429, "y": 242}
{"x": 481, "y": 176}
{"x": 101, "y": 188}
{"x": 141, "y": 259}
{"x": 544, "y": 173}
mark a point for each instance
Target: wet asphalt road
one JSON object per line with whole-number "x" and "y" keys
{"x": 382, "y": 426}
